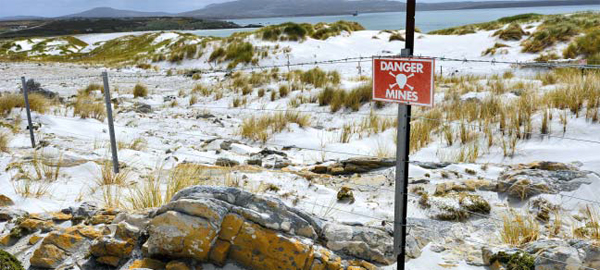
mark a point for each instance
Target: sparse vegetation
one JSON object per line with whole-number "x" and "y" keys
{"x": 86, "y": 106}
{"x": 37, "y": 103}
{"x": 512, "y": 32}
{"x": 140, "y": 90}
{"x": 5, "y": 138}
{"x": 263, "y": 127}
{"x": 108, "y": 177}
{"x": 495, "y": 49}
{"x": 518, "y": 229}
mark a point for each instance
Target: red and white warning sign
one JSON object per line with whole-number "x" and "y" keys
{"x": 404, "y": 80}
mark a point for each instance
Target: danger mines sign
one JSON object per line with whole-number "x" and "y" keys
{"x": 404, "y": 80}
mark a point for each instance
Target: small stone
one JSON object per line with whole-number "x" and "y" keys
{"x": 32, "y": 225}
{"x": 219, "y": 252}
{"x": 34, "y": 239}
{"x": 177, "y": 265}
{"x": 225, "y": 162}
{"x": 230, "y": 227}
{"x": 7, "y": 214}
{"x": 102, "y": 219}
{"x": 60, "y": 217}
{"x": 345, "y": 195}
{"x": 226, "y": 145}
{"x": 109, "y": 260}
{"x": 5, "y": 201}
{"x": 147, "y": 263}
{"x": 47, "y": 256}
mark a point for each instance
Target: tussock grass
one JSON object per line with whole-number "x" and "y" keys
{"x": 140, "y": 90}
{"x": 284, "y": 90}
{"x": 339, "y": 98}
{"x": 237, "y": 52}
{"x": 358, "y": 96}
{"x": 43, "y": 169}
{"x": 137, "y": 144}
{"x": 93, "y": 87}
{"x": 519, "y": 229}
{"x": 85, "y": 106}
{"x": 201, "y": 89}
{"x": 316, "y": 76}
{"x": 587, "y": 46}
{"x": 487, "y": 26}
{"x": 263, "y": 127}
{"x": 107, "y": 176}
{"x": 37, "y": 103}
{"x": 5, "y": 138}
{"x": 375, "y": 124}
{"x": 396, "y": 37}
{"x": 512, "y": 32}
{"x": 193, "y": 100}
{"x": 28, "y": 188}
{"x": 590, "y": 229}
{"x": 560, "y": 28}
{"x": 495, "y": 49}
{"x": 299, "y": 32}
{"x": 112, "y": 196}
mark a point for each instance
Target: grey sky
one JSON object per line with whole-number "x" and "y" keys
{"x": 51, "y": 8}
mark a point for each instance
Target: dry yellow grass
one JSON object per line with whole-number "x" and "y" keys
{"x": 5, "y": 138}
{"x": 263, "y": 127}
{"x": 518, "y": 229}
{"x": 29, "y": 188}
{"x": 37, "y": 103}
{"x": 85, "y": 106}
{"x": 108, "y": 177}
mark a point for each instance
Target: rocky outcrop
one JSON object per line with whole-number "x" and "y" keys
{"x": 62, "y": 245}
{"x": 355, "y": 165}
{"x": 454, "y": 206}
{"x": 205, "y": 225}
{"x": 35, "y": 87}
{"x": 212, "y": 224}
{"x": 526, "y": 180}
{"x": 548, "y": 254}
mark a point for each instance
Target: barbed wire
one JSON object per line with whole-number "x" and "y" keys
{"x": 358, "y": 59}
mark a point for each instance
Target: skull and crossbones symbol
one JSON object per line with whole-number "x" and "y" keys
{"x": 401, "y": 80}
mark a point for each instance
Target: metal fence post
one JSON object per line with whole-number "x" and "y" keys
{"x": 403, "y": 151}
{"x": 111, "y": 127}
{"x": 29, "y": 122}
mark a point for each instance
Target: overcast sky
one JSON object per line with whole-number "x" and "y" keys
{"x": 51, "y": 8}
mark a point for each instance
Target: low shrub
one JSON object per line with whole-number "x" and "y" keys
{"x": 512, "y": 32}
{"x": 87, "y": 107}
{"x": 587, "y": 46}
{"x": 396, "y": 36}
{"x": 37, "y": 103}
{"x": 263, "y": 127}
{"x": 140, "y": 90}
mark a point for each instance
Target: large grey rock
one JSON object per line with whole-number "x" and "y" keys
{"x": 355, "y": 165}
{"x": 554, "y": 255}
{"x": 7, "y": 214}
{"x": 35, "y": 87}
{"x": 524, "y": 181}
{"x": 269, "y": 212}
{"x": 360, "y": 241}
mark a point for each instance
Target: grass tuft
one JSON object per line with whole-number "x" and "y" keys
{"x": 140, "y": 90}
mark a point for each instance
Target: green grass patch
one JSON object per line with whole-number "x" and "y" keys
{"x": 587, "y": 46}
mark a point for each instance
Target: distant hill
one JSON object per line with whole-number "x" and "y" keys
{"x": 285, "y": 8}
{"x": 282, "y": 8}
{"x": 107, "y": 12}
{"x": 21, "y": 18}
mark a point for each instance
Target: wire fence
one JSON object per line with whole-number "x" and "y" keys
{"x": 219, "y": 73}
